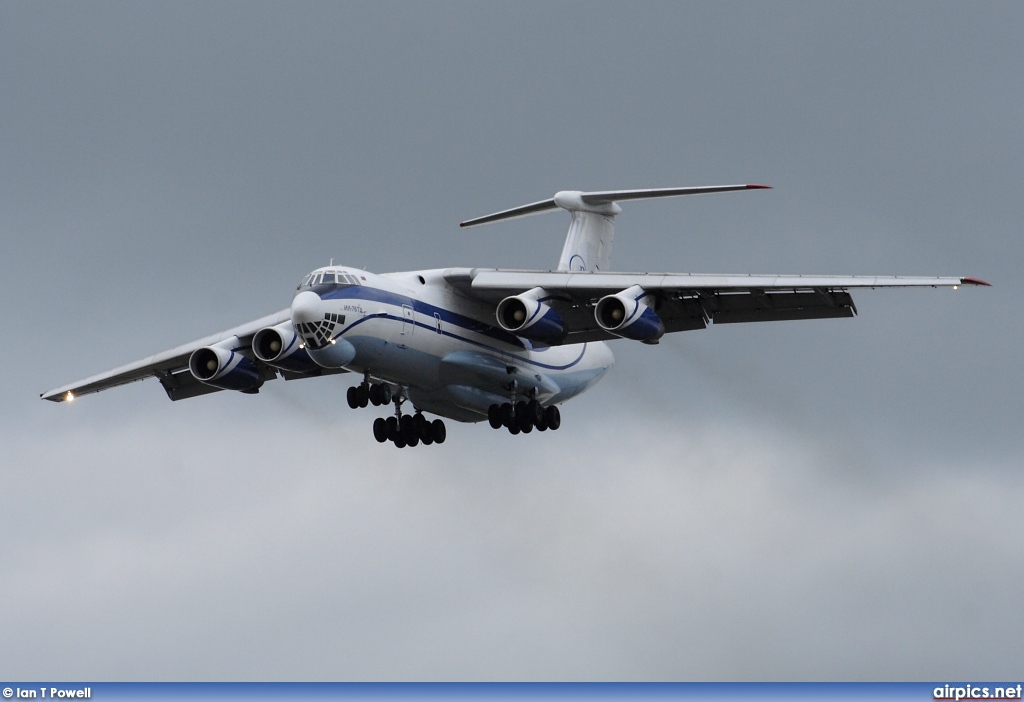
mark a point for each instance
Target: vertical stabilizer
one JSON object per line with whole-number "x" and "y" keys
{"x": 588, "y": 245}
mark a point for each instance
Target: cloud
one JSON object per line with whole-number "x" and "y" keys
{"x": 283, "y": 549}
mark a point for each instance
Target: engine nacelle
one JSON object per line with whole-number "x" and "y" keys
{"x": 224, "y": 368}
{"x": 526, "y": 315}
{"x": 626, "y": 314}
{"x": 281, "y": 347}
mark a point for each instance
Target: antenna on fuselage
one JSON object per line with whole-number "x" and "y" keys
{"x": 588, "y": 245}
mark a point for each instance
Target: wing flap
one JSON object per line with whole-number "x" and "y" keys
{"x": 780, "y": 306}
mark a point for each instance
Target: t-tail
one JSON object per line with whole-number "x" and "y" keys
{"x": 588, "y": 245}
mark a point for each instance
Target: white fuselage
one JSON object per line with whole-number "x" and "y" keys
{"x": 416, "y": 331}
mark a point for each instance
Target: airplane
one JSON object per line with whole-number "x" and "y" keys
{"x": 473, "y": 344}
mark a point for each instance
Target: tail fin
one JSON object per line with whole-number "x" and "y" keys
{"x": 588, "y": 245}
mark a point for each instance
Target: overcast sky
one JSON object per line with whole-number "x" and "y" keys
{"x": 833, "y": 499}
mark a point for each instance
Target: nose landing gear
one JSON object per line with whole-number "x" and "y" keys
{"x": 408, "y": 429}
{"x": 523, "y": 417}
{"x": 367, "y": 393}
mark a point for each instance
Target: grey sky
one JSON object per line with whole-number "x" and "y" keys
{"x": 829, "y": 499}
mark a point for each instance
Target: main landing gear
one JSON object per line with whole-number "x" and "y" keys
{"x": 523, "y": 417}
{"x": 402, "y": 429}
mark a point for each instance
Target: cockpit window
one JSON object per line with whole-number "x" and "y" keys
{"x": 333, "y": 279}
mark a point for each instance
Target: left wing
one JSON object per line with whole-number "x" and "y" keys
{"x": 687, "y": 301}
{"x": 171, "y": 367}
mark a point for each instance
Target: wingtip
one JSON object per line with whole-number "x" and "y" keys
{"x": 756, "y": 186}
{"x": 974, "y": 281}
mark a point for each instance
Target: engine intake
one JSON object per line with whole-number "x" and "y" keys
{"x": 526, "y": 315}
{"x": 281, "y": 347}
{"x": 224, "y": 368}
{"x": 626, "y": 314}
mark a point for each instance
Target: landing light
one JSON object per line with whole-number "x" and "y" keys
{"x": 955, "y": 287}
{"x": 70, "y": 397}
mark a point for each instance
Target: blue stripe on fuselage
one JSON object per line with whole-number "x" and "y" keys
{"x": 366, "y": 292}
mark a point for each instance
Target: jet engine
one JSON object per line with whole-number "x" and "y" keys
{"x": 526, "y": 315}
{"x": 281, "y": 347}
{"x": 626, "y": 314}
{"x": 224, "y": 368}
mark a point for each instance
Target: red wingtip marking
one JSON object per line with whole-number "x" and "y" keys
{"x": 754, "y": 186}
{"x": 462, "y": 224}
{"x": 974, "y": 281}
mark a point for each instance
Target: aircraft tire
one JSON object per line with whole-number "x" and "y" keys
{"x": 375, "y": 395}
{"x": 385, "y": 394}
{"x": 420, "y": 424}
{"x": 380, "y": 430}
{"x": 514, "y": 429}
{"x": 392, "y": 425}
{"x": 353, "y": 397}
{"x": 536, "y": 411}
{"x": 438, "y": 432}
{"x": 522, "y": 412}
{"x": 553, "y": 417}
{"x": 413, "y": 440}
{"x": 364, "y": 396}
{"x": 508, "y": 415}
{"x": 428, "y": 438}
{"x": 399, "y": 442}
{"x": 524, "y": 416}
{"x": 406, "y": 427}
{"x": 494, "y": 416}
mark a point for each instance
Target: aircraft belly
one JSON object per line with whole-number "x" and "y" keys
{"x": 458, "y": 372}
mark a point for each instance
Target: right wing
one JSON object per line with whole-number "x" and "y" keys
{"x": 687, "y": 301}
{"x": 171, "y": 367}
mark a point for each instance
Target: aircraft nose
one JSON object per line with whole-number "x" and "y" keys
{"x": 306, "y": 307}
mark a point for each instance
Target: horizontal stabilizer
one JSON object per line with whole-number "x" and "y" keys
{"x": 579, "y": 201}
{"x": 620, "y": 195}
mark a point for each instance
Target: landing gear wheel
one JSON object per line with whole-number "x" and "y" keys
{"x": 437, "y": 431}
{"x": 523, "y": 416}
{"x": 553, "y": 418}
{"x": 406, "y": 428}
{"x": 536, "y": 412}
{"x": 400, "y": 442}
{"x": 392, "y": 428}
{"x": 375, "y": 395}
{"x": 364, "y": 395}
{"x": 385, "y": 394}
{"x": 380, "y": 430}
{"x": 508, "y": 415}
{"x": 494, "y": 416}
{"x": 514, "y": 429}
{"x": 420, "y": 425}
{"x": 353, "y": 397}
